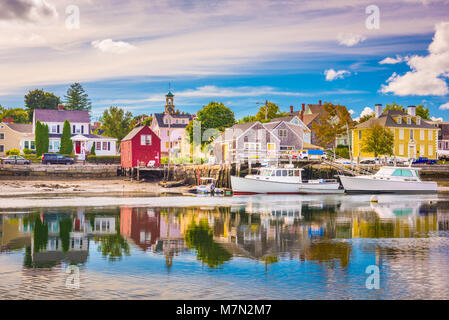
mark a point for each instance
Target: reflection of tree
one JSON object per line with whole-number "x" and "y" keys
{"x": 200, "y": 237}
{"x": 40, "y": 235}
{"x": 65, "y": 227}
{"x": 329, "y": 252}
{"x": 113, "y": 246}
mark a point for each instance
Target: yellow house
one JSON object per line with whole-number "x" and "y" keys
{"x": 413, "y": 136}
{"x": 15, "y": 136}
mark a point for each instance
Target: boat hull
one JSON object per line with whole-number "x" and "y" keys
{"x": 254, "y": 186}
{"x": 370, "y": 185}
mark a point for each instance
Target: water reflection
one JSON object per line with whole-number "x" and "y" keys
{"x": 287, "y": 249}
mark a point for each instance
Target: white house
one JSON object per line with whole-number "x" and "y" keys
{"x": 80, "y": 130}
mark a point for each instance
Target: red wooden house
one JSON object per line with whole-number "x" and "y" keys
{"x": 142, "y": 145}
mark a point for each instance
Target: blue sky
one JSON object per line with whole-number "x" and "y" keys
{"x": 236, "y": 52}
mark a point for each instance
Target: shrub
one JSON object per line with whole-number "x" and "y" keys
{"x": 27, "y": 151}
{"x": 103, "y": 159}
{"x": 342, "y": 152}
{"x": 12, "y": 152}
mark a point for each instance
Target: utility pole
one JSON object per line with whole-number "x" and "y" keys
{"x": 266, "y": 108}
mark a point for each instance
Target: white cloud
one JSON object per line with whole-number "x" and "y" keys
{"x": 389, "y": 60}
{"x": 351, "y": 112}
{"x": 332, "y": 74}
{"x": 110, "y": 46}
{"x": 444, "y": 106}
{"x": 428, "y": 73}
{"x": 350, "y": 39}
{"x": 366, "y": 112}
{"x": 35, "y": 11}
{"x": 436, "y": 119}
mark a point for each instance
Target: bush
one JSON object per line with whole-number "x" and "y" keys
{"x": 342, "y": 152}
{"x": 103, "y": 159}
{"x": 33, "y": 157}
{"x": 27, "y": 151}
{"x": 13, "y": 152}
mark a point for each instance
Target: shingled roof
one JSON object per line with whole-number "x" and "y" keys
{"x": 51, "y": 115}
{"x": 21, "y": 127}
{"x": 386, "y": 120}
{"x": 160, "y": 120}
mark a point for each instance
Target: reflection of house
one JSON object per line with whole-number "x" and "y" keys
{"x": 142, "y": 225}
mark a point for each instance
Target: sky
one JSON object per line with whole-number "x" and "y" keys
{"x": 239, "y": 52}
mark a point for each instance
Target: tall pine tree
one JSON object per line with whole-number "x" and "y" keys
{"x": 66, "y": 142}
{"x": 76, "y": 98}
{"x": 45, "y": 138}
{"x": 38, "y": 138}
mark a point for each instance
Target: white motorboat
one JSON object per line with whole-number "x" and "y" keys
{"x": 389, "y": 180}
{"x": 286, "y": 180}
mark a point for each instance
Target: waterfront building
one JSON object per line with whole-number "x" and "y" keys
{"x": 140, "y": 146}
{"x": 170, "y": 127}
{"x": 413, "y": 136}
{"x": 82, "y": 137}
{"x": 443, "y": 138}
{"x": 15, "y": 136}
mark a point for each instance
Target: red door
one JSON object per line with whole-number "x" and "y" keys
{"x": 78, "y": 147}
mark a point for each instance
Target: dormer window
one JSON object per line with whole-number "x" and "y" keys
{"x": 399, "y": 120}
{"x": 418, "y": 121}
{"x": 409, "y": 120}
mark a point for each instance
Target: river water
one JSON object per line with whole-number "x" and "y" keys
{"x": 248, "y": 247}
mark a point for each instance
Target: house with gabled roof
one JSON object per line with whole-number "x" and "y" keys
{"x": 170, "y": 126}
{"x": 15, "y": 136}
{"x": 413, "y": 136}
{"x": 82, "y": 137}
{"x": 141, "y": 146}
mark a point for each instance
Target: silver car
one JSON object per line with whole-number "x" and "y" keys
{"x": 15, "y": 160}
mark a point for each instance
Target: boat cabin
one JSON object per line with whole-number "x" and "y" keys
{"x": 398, "y": 173}
{"x": 279, "y": 174}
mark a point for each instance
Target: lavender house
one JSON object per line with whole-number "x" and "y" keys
{"x": 80, "y": 129}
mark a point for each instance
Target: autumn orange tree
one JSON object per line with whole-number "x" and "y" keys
{"x": 335, "y": 121}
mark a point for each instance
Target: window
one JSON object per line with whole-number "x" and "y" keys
{"x": 278, "y": 173}
{"x": 26, "y": 145}
{"x": 2, "y": 148}
{"x": 282, "y": 132}
{"x": 360, "y": 134}
{"x": 421, "y": 134}
{"x": 56, "y": 145}
{"x": 145, "y": 140}
{"x": 54, "y": 129}
{"x": 401, "y": 134}
{"x": 430, "y": 135}
{"x": 176, "y": 120}
{"x": 33, "y": 147}
{"x": 166, "y": 145}
{"x": 402, "y": 173}
{"x": 409, "y": 120}
{"x": 446, "y": 144}
{"x": 411, "y": 134}
{"x": 430, "y": 150}
{"x": 105, "y": 145}
{"x": 284, "y": 173}
{"x": 401, "y": 149}
{"x": 399, "y": 120}
{"x": 98, "y": 145}
{"x": 2, "y": 136}
{"x": 290, "y": 173}
{"x": 421, "y": 150}
{"x": 418, "y": 121}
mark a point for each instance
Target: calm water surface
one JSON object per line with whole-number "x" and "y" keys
{"x": 257, "y": 247}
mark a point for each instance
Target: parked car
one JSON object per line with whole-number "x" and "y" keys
{"x": 55, "y": 158}
{"x": 13, "y": 159}
{"x": 424, "y": 160}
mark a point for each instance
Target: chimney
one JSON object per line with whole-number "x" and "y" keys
{"x": 8, "y": 120}
{"x": 60, "y": 107}
{"x": 97, "y": 124}
{"x": 319, "y": 102}
{"x": 291, "y": 109}
{"x": 378, "y": 110}
{"x": 412, "y": 111}
{"x": 303, "y": 107}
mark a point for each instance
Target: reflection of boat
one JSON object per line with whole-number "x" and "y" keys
{"x": 393, "y": 210}
{"x": 389, "y": 180}
{"x": 206, "y": 186}
{"x": 281, "y": 181}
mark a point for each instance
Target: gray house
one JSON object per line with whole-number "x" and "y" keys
{"x": 258, "y": 141}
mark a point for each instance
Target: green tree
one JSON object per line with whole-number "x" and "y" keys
{"x": 45, "y": 138}
{"x": 18, "y": 114}
{"x": 39, "y": 99}
{"x": 213, "y": 116}
{"x": 394, "y": 106}
{"x": 366, "y": 117}
{"x": 92, "y": 150}
{"x": 266, "y": 114}
{"x": 334, "y": 122}
{"x": 423, "y": 112}
{"x": 66, "y": 142}
{"x": 379, "y": 141}
{"x": 247, "y": 119}
{"x": 76, "y": 98}
{"x": 38, "y": 138}
{"x": 116, "y": 123}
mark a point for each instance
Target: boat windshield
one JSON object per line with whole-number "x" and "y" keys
{"x": 280, "y": 172}
{"x": 403, "y": 173}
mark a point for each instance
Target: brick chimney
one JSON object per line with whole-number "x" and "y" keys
{"x": 303, "y": 110}
{"x": 60, "y": 107}
{"x": 97, "y": 124}
{"x": 291, "y": 109}
{"x": 319, "y": 102}
{"x": 8, "y": 120}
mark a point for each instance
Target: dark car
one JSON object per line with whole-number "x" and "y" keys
{"x": 13, "y": 159}
{"x": 55, "y": 158}
{"x": 424, "y": 160}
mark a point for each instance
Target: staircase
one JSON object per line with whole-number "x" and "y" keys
{"x": 342, "y": 168}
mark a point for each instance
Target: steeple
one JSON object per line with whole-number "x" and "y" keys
{"x": 169, "y": 106}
